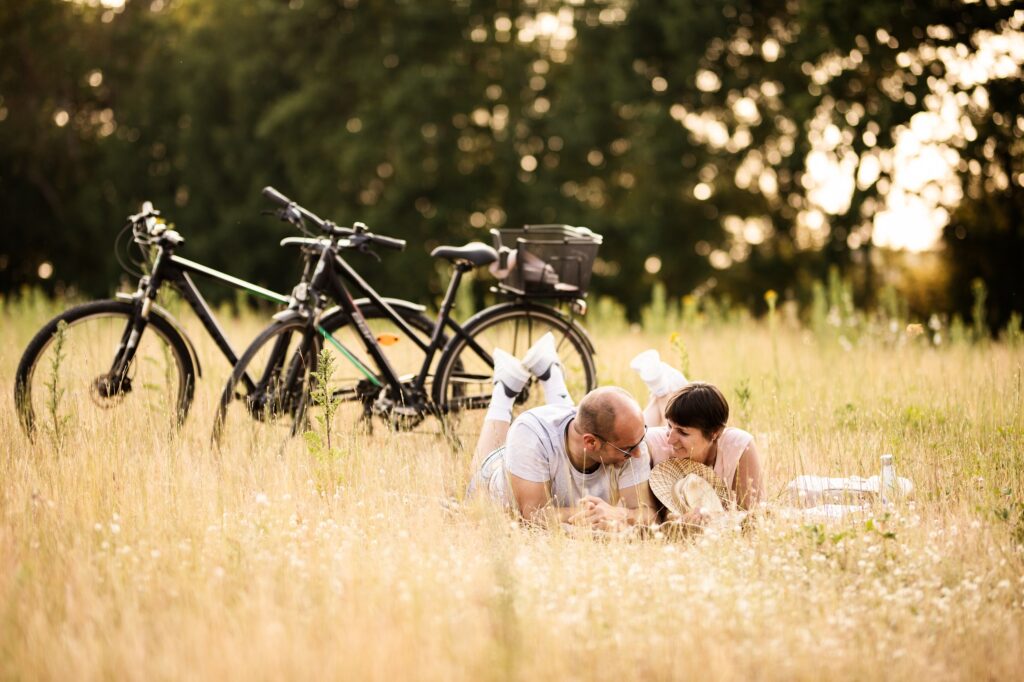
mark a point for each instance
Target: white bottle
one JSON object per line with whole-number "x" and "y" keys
{"x": 888, "y": 486}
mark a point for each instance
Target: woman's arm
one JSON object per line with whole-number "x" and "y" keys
{"x": 749, "y": 481}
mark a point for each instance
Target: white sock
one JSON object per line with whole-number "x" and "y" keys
{"x": 671, "y": 380}
{"x": 555, "y": 390}
{"x": 501, "y": 405}
{"x": 649, "y": 366}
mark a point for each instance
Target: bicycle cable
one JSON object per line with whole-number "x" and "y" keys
{"x": 126, "y": 266}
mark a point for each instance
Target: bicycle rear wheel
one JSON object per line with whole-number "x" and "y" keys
{"x": 65, "y": 382}
{"x": 465, "y": 371}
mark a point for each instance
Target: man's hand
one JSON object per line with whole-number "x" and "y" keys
{"x": 597, "y": 513}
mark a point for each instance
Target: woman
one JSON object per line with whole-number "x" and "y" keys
{"x": 690, "y": 423}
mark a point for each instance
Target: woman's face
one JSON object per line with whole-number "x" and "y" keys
{"x": 688, "y": 442}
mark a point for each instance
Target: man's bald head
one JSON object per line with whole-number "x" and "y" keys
{"x": 610, "y": 412}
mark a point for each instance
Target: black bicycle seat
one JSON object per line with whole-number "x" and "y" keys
{"x": 474, "y": 253}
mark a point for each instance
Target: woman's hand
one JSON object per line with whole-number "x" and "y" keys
{"x": 694, "y": 517}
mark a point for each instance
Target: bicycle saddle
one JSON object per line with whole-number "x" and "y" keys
{"x": 474, "y": 253}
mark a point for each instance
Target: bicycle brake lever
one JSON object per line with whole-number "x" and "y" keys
{"x": 369, "y": 252}
{"x": 289, "y": 215}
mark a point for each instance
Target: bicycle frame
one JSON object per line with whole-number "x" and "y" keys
{"x": 331, "y": 277}
{"x": 328, "y": 277}
{"x": 174, "y": 270}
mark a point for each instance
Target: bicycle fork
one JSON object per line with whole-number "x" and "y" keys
{"x": 116, "y": 381}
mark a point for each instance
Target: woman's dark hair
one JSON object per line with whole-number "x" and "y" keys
{"x": 698, "y": 405}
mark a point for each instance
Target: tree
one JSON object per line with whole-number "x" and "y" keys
{"x": 728, "y": 147}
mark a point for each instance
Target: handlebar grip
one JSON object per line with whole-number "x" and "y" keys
{"x": 389, "y": 242}
{"x": 275, "y": 196}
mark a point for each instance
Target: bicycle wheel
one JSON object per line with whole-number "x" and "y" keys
{"x": 464, "y": 373}
{"x": 270, "y": 384}
{"x": 281, "y": 363}
{"x": 64, "y": 381}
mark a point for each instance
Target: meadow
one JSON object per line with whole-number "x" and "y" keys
{"x": 130, "y": 550}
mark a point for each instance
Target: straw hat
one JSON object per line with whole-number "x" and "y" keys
{"x": 682, "y": 485}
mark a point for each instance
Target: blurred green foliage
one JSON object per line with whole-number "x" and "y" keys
{"x": 436, "y": 120}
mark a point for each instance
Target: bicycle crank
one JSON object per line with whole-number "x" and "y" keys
{"x": 398, "y": 416}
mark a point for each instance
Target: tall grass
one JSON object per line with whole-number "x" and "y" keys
{"x": 137, "y": 552}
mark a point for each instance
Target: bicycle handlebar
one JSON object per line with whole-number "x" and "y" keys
{"x": 275, "y": 196}
{"x": 388, "y": 242}
{"x": 147, "y": 226}
{"x": 329, "y": 227}
{"x": 289, "y": 205}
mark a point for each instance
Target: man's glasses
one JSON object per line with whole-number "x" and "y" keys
{"x": 628, "y": 452}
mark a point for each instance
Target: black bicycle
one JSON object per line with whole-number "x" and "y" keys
{"x": 129, "y": 353}
{"x": 385, "y": 360}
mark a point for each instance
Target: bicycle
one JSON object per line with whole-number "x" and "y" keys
{"x": 129, "y": 352}
{"x": 389, "y": 372}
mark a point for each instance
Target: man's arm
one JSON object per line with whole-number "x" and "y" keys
{"x": 534, "y": 502}
{"x": 639, "y": 500}
{"x": 637, "y": 508}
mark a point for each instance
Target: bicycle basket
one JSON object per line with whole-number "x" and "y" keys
{"x": 551, "y": 261}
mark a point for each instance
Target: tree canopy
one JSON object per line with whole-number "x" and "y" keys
{"x": 727, "y": 146}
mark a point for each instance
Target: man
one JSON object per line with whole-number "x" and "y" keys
{"x": 558, "y": 463}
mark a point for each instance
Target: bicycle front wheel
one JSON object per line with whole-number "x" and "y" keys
{"x": 464, "y": 379}
{"x": 66, "y": 382}
{"x": 266, "y": 397}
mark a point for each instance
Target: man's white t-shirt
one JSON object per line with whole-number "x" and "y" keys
{"x": 535, "y": 451}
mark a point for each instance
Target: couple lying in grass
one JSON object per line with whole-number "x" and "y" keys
{"x": 589, "y": 465}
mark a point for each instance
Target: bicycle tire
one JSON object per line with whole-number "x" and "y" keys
{"x": 464, "y": 378}
{"x": 276, "y": 401}
{"x": 347, "y": 381}
{"x": 94, "y": 332}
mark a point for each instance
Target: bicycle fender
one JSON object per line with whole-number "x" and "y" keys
{"x": 162, "y": 312}
{"x": 396, "y": 303}
{"x": 525, "y": 306}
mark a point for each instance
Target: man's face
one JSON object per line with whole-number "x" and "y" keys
{"x": 624, "y": 444}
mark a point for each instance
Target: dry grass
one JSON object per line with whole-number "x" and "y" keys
{"x": 137, "y": 553}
